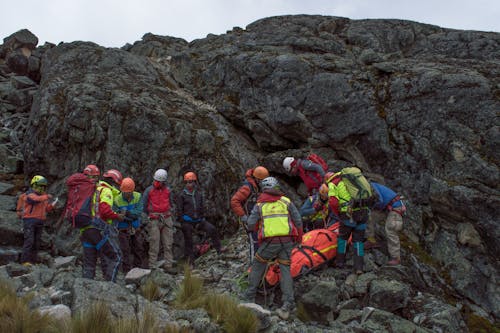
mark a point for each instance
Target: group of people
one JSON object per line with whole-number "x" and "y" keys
{"x": 272, "y": 222}
{"x": 121, "y": 220}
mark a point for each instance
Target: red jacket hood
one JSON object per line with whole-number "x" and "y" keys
{"x": 249, "y": 178}
{"x": 270, "y": 196}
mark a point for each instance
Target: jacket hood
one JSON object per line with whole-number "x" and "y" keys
{"x": 270, "y": 195}
{"x": 249, "y": 178}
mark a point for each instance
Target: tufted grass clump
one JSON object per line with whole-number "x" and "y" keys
{"x": 302, "y": 313}
{"x": 190, "y": 294}
{"x": 241, "y": 320}
{"x": 151, "y": 291}
{"x": 16, "y": 316}
{"x": 95, "y": 318}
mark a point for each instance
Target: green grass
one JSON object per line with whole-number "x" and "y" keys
{"x": 223, "y": 309}
{"x": 190, "y": 293}
{"x": 151, "y": 291}
{"x": 16, "y": 316}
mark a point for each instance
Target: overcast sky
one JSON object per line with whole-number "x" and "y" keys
{"x": 114, "y": 23}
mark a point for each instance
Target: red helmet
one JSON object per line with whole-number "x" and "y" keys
{"x": 115, "y": 175}
{"x": 190, "y": 176}
{"x": 91, "y": 170}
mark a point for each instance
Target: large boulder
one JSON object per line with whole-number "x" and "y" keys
{"x": 389, "y": 295}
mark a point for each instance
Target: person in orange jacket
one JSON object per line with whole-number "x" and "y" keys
{"x": 32, "y": 208}
{"x": 243, "y": 201}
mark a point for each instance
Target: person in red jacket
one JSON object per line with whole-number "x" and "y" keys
{"x": 157, "y": 204}
{"x": 311, "y": 173}
{"x": 244, "y": 199}
{"x": 32, "y": 208}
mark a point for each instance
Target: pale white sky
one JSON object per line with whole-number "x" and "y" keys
{"x": 114, "y": 23}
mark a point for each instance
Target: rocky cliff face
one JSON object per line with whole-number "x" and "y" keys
{"x": 412, "y": 103}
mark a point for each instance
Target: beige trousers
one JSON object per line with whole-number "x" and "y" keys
{"x": 393, "y": 225}
{"x": 161, "y": 229}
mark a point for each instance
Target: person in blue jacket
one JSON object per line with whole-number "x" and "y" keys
{"x": 129, "y": 203}
{"x": 314, "y": 210}
{"x": 390, "y": 202}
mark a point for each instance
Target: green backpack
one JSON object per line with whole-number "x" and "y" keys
{"x": 358, "y": 187}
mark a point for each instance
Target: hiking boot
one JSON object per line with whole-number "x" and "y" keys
{"x": 371, "y": 244}
{"x": 285, "y": 310}
{"x": 358, "y": 264}
{"x": 394, "y": 262}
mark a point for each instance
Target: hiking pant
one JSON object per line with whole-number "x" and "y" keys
{"x": 393, "y": 225}
{"x": 269, "y": 251}
{"x": 95, "y": 245}
{"x": 124, "y": 240}
{"x": 253, "y": 244}
{"x": 138, "y": 240}
{"x": 32, "y": 234}
{"x": 161, "y": 229}
{"x": 187, "y": 230}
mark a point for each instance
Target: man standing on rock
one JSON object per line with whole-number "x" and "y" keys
{"x": 128, "y": 202}
{"x": 157, "y": 204}
{"x": 191, "y": 215}
{"x": 390, "y": 202}
{"x": 280, "y": 226}
{"x": 243, "y": 201}
{"x": 96, "y": 235}
{"x": 32, "y": 208}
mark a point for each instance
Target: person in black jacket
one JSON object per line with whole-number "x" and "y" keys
{"x": 190, "y": 212}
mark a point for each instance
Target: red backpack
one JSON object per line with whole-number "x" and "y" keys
{"x": 318, "y": 160}
{"x": 79, "y": 204}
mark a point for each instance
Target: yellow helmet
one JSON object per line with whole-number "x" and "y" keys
{"x": 39, "y": 181}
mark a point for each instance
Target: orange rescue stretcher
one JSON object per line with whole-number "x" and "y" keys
{"x": 318, "y": 247}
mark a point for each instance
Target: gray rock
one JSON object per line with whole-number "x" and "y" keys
{"x": 59, "y": 311}
{"x": 87, "y": 292}
{"x": 20, "y": 39}
{"x": 389, "y": 295}
{"x": 61, "y": 262}
{"x": 322, "y": 300}
{"x": 136, "y": 274}
{"x": 5, "y": 187}
{"x": 467, "y": 235}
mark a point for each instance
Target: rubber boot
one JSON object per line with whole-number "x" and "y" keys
{"x": 358, "y": 264}
{"x": 340, "y": 260}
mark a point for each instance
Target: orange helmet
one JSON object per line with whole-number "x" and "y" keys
{"x": 115, "y": 175}
{"x": 190, "y": 176}
{"x": 260, "y": 172}
{"x": 127, "y": 185}
{"x": 323, "y": 190}
{"x": 328, "y": 176}
{"x": 91, "y": 170}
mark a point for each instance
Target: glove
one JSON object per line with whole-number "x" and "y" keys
{"x": 136, "y": 224}
{"x": 244, "y": 219}
{"x": 298, "y": 238}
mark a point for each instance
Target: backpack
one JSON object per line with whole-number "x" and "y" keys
{"x": 78, "y": 209}
{"x": 318, "y": 160}
{"x": 358, "y": 187}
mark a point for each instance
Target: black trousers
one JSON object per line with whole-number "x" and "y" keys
{"x": 108, "y": 252}
{"x": 187, "y": 230}
{"x": 124, "y": 240}
{"x": 138, "y": 248}
{"x": 32, "y": 234}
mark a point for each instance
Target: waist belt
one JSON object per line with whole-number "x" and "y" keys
{"x": 157, "y": 216}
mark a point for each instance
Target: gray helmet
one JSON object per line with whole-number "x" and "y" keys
{"x": 160, "y": 175}
{"x": 269, "y": 183}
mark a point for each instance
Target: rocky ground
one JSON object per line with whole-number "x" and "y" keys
{"x": 412, "y": 104}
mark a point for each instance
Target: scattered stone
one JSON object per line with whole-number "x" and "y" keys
{"x": 61, "y": 262}
{"x": 59, "y": 311}
{"x": 136, "y": 274}
{"x": 389, "y": 295}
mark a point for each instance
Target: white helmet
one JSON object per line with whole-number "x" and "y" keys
{"x": 160, "y": 175}
{"x": 287, "y": 163}
{"x": 269, "y": 183}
